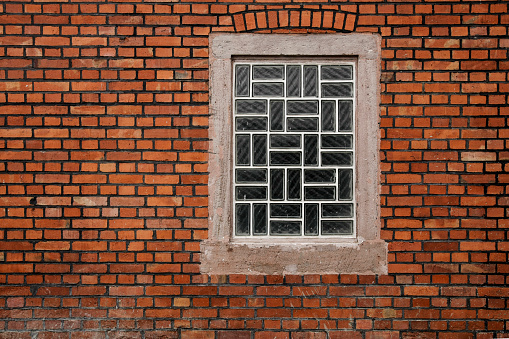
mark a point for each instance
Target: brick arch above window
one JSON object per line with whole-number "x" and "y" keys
{"x": 294, "y": 20}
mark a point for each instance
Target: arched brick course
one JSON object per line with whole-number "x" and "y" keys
{"x": 294, "y": 20}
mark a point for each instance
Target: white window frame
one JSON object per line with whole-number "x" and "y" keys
{"x": 366, "y": 253}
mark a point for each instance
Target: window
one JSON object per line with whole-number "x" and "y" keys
{"x": 293, "y": 149}
{"x": 294, "y": 165}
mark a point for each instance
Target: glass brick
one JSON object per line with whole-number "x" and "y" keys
{"x": 259, "y": 150}
{"x": 294, "y": 185}
{"x": 311, "y": 150}
{"x": 328, "y": 116}
{"x": 345, "y": 184}
{"x": 342, "y": 72}
{"x": 285, "y": 227}
{"x": 251, "y": 124}
{"x": 268, "y": 72}
{"x": 285, "y": 158}
{"x": 277, "y": 115}
{"x": 337, "y": 210}
{"x": 302, "y": 107}
{"x": 310, "y": 81}
{"x": 285, "y": 141}
{"x": 302, "y": 124}
{"x": 242, "y": 149}
{"x": 285, "y": 210}
{"x": 337, "y": 158}
{"x": 319, "y": 193}
{"x": 242, "y": 219}
{"x": 242, "y": 80}
{"x": 337, "y": 90}
{"x": 310, "y": 219}
{"x": 270, "y": 89}
{"x": 337, "y": 227}
{"x": 251, "y": 175}
{"x": 345, "y": 115}
{"x": 277, "y": 184}
{"x": 251, "y": 106}
{"x": 293, "y": 82}
{"x": 260, "y": 219}
{"x": 319, "y": 176}
{"x": 244, "y": 193}
{"x": 337, "y": 141}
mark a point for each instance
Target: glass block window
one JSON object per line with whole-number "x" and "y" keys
{"x": 293, "y": 149}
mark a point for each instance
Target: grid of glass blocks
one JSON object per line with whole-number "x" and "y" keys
{"x": 294, "y": 149}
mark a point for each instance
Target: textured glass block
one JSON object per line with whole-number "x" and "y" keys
{"x": 242, "y": 219}
{"x": 345, "y": 115}
{"x": 293, "y": 82}
{"x": 277, "y": 115}
{"x": 337, "y": 210}
{"x": 270, "y": 89}
{"x": 302, "y": 124}
{"x": 319, "y": 176}
{"x": 259, "y": 149}
{"x": 251, "y": 106}
{"x": 242, "y": 149}
{"x": 310, "y": 149}
{"x": 311, "y": 219}
{"x": 302, "y": 107}
{"x": 343, "y": 72}
{"x": 260, "y": 219}
{"x": 337, "y": 227}
{"x": 337, "y": 141}
{"x": 268, "y": 72}
{"x": 285, "y": 141}
{"x": 277, "y": 184}
{"x": 337, "y": 158}
{"x": 337, "y": 90}
{"x": 251, "y": 124}
{"x": 251, "y": 175}
{"x": 285, "y": 210}
{"x": 294, "y": 184}
{"x": 345, "y": 184}
{"x": 319, "y": 193}
{"x": 285, "y": 158}
{"x": 251, "y": 193}
{"x": 285, "y": 227}
{"x": 242, "y": 80}
{"x": 310, "y": 81}
{"x": 328, "y": 116}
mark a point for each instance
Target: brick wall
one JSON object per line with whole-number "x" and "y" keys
{"x": 103, "y": 170}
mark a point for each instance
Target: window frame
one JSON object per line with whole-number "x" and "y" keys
{"x": 222, "y": 253}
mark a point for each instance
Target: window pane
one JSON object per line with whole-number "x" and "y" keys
{"x": 310, "y": 81}
{"x": 337, "y": 90}
{"x": 268, "y": 89}
{"x": 242, "y": 219}
{"x": 243, "y": 148}
{"x": 337, "y": 227}
{"x": 242, "y": 80}
{"x": 344, "y": 72}
{"x": 328, "y": 116}
{"x": 294, "y": 81}
{"x": 260, "y": 219}
{"x": 276, "y": 115}
{"x": 268, "y": 72}
{"x": 311, "y": 219}
{"x": 285, "y": 227}
{"x": 251, "y": 106}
